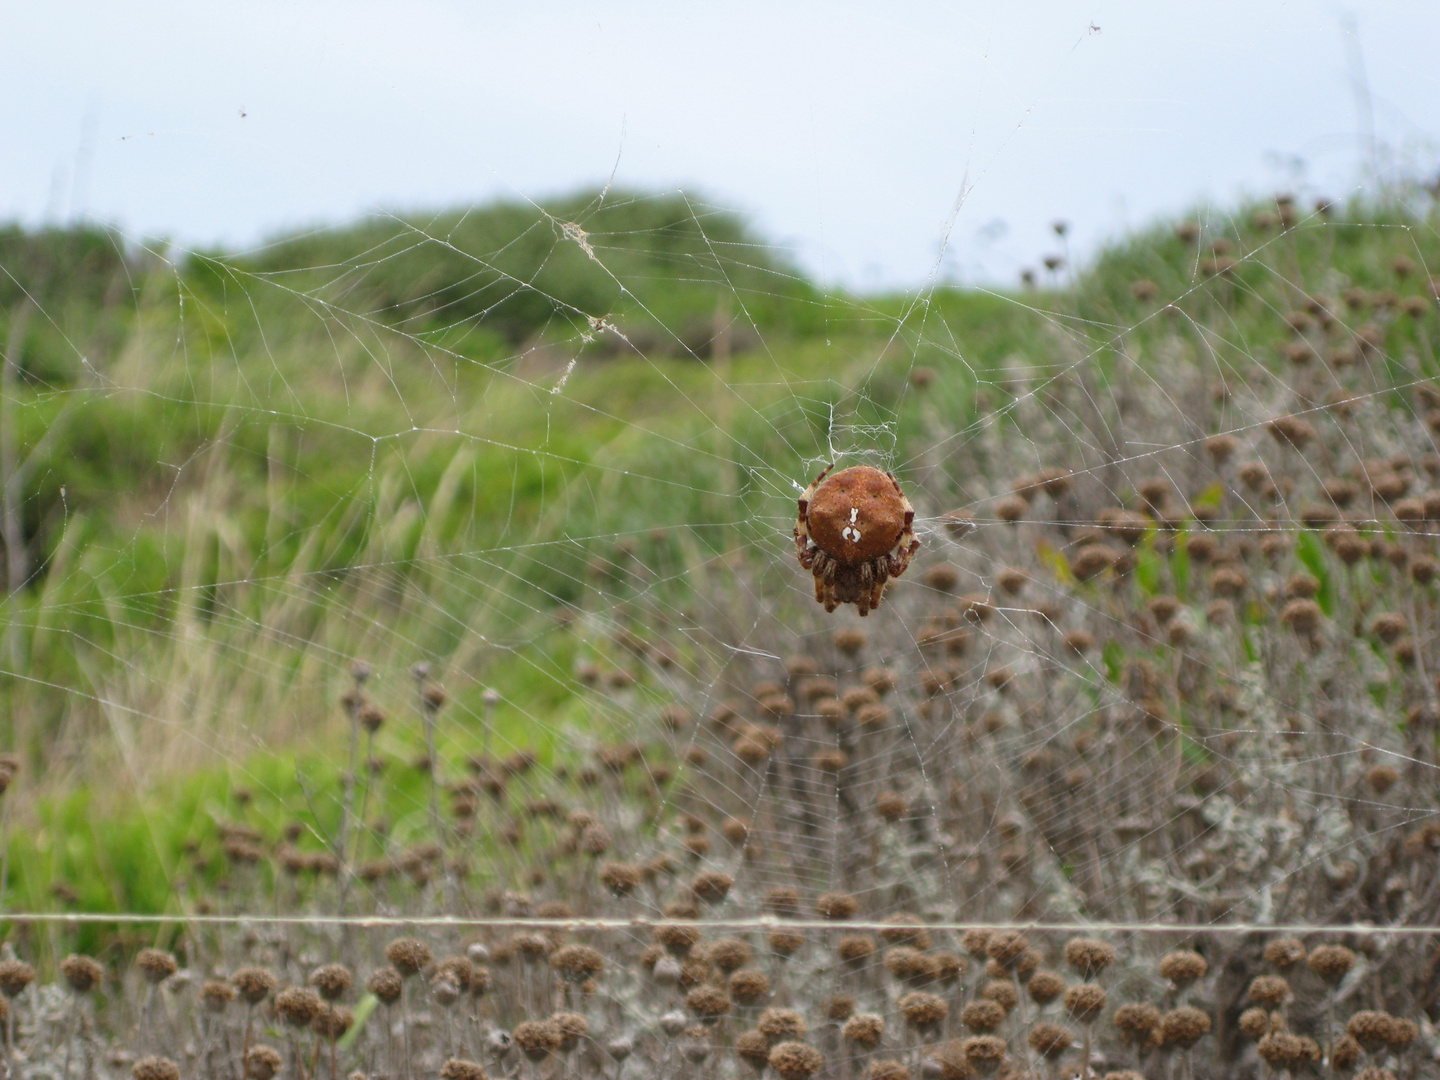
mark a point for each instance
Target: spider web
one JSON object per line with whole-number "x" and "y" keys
{"x": 1133, "y": 680}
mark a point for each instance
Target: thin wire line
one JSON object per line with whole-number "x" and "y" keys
{"x": 764, "y": 922}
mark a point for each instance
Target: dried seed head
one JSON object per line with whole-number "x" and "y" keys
{"x": 778, "y": 1025}
{"x": 576, "y": 963}
{"x": 711, "y": 886}
{"x": 923, "y": 1011}
{"x": 1183, "y": 967}
{"x": 948, "y": 1062}
{"x": 1331, "y": 962}
{"x": 536, "y": 1038}
{"x": 985, "y": 1053}
{"x": 216, "y": 995}
{"x": 408, "y": 955}
{"x": 856, "y": 949}
{"x": 839, "y": 1007}
{"x": 1088, "y": 956}
{"x": 262, "y": 1062}
{"x": 785, "y": 943}
{"x": 1085, "y": 1002}
{"x": 1255, "y": 1022}
{"x": 1269, "y": 991}
{"x": 865, "y": 1030}
{"x": 708, "y": 1003}
{"x": 796, "y": 1060}
{"x": 753, "y": 1048}
{"x": 982, "y": 1016}
{"x": 1371, "y": 1029}
{"x": 298, "y": 1006}
{"x": 749, "y": 986}
{"x": 386, "y": 984}
{"x": 1006, "y": 947}
{"x": 783, "y": 901}
{"x": 155, "y": 1068}
{"x": 1043, "y": 988}
{"x": 331, "y": 980}
{"x": 1002, "y": 992}
{"x": 82, "y": 973}
{"x": 332, "y": 1021}
{"x": 887, "y": 1069}
{"x": 255, "y": 984}
{"x": 458, "y": 1069}
{"x": 15, "y": 976}
{"x": 156, "y": 965}
{"x": 1050, "y": 1041}
{"x": 837, "y": 906}
{"x": 1183, "y": 1027}
{"x": 572, "y": 1027}
{"x": 1136, "y": 1022}
{"x": 1345, "y": 1054}
{"x": 1284, "y": 952}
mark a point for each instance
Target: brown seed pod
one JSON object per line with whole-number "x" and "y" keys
{"x": 708, "y": 1003}
{"x": 216, "y": 995}
{"x": 536, "y": 1039}
{"x": 1002, "y": 992}
{"x": 1049, "y": 1040}
{"x": 571, "y": 1027}
{"x": 982, "y": 1016}
{"x": 386, "y": 984}
{"x": 778, "y": 1025}
{"x": 753, "y": 1048}
{"x": 1085, "y": 1002}
{"x": 836, "y": 907}
{"x": 459, "y": 1069}
{"x": 332, "y": 981}
{"x": 1043, "y": 987}
{"x": 986, "y": 1053}
{"x": 254, "y": 984}
{"x": 1345, "y": 1054}
{"x": 1269, "y": 991}
{"x": 408, "y": 955}
{"x": 1088, "y": 956}
{"x": 1371, "y": 1029}
{"x": 865, "y": 1030}
{"x": 1184, "y": 1027}
{"x": 711, "y": 886}
{"x": 1255, "y": 1022}
{"x": 332, "y": 1021}
{"x": 1183, "y": 967}
{"x": 749, "y": 986}
{"x": 15, "y": 976}
{"x": 1006, "y": 947}
{"x": 1331, "y": 962}
{"x": 155, "y": 1068}
{"x": 576, "y": 963}
{"x": 1284, "y": 952}
{"x": 298, "y": 1006}
{"x": 156, "y": 965}
{"x": 796, "y": 1060}
{"x": 1136, "y": 1022}
{"x": 82, "y": 973}
{"x": 262, "y": 1062}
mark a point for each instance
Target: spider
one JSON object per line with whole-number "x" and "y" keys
{"x": 854, "y": 534}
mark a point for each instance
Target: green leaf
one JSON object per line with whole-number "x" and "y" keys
{"x": 362, "y": 1013}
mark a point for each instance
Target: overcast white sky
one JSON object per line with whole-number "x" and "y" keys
{"x": 849, "y": 130}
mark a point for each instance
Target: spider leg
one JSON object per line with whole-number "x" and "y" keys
{"x": 823, "y": 473}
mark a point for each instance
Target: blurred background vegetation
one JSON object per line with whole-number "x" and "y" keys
{"x": 427, "y": 438}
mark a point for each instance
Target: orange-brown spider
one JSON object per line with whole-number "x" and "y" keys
{"x": 854, "y": 534}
